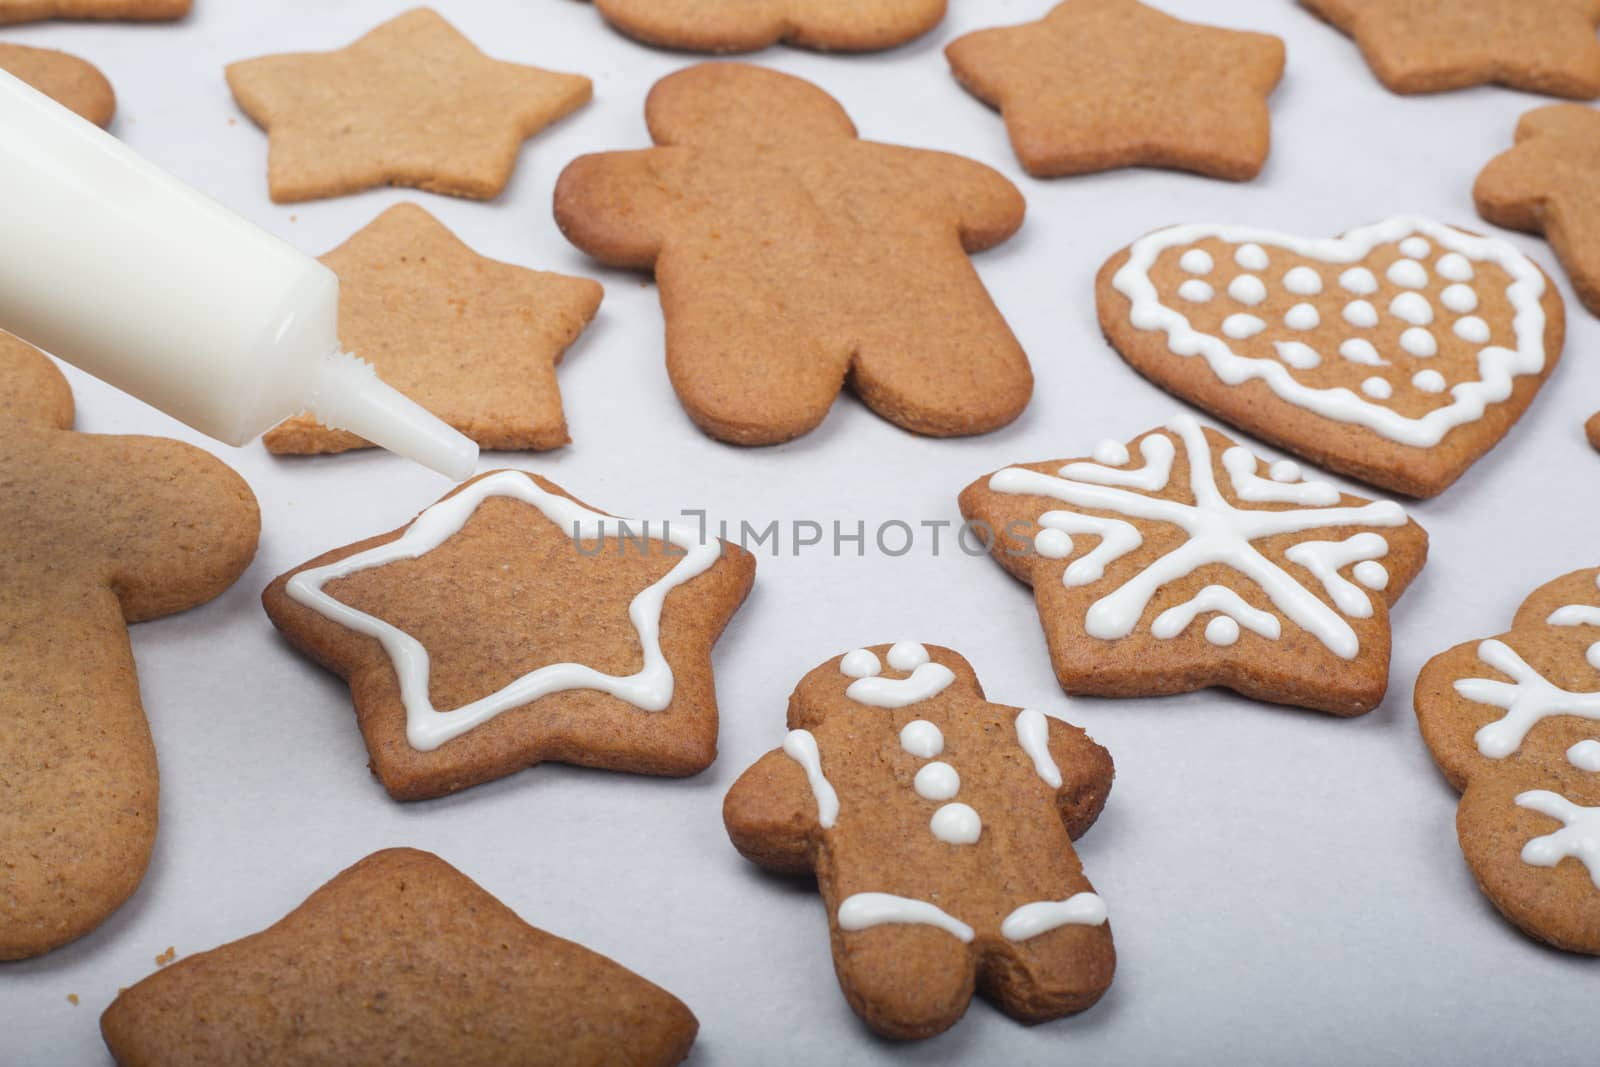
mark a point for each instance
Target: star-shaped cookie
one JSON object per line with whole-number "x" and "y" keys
{"x": 1431, "y": 46}
{"x": 12, "y": 11}
{"x": 411, "y": 103}
{"x": 473, "y": 340}
{"x": 1100, "y": 84}
{"x": 511, "y": 624}
{"x": 69, "y": 81}
{"x": 748, "y": 25}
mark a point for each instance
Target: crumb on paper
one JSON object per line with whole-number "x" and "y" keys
{"x": 72, "y": 998}
{"x": 167, "y": 956}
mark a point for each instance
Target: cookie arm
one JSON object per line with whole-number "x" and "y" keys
{"x": 990, "y": 209}
{"x": 613, "y": 205}
{"x": 1511, "y": 190}
{"x": 1086, "y": 776}
{"x": 771, "y": 815}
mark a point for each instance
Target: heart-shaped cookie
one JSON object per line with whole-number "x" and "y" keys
{"x": 1397, "y": 354}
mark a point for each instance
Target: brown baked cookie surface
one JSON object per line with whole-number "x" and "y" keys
{"x": 1593, "y": 429}
{"x": 401, "y": 959}
{"x": 1514, "y": 722}
{"x": 1398, "y": 353}
{"x": 1198, "y": 565}
{"x": 511, "y": 624}
{"x": 1101, "y": 84}
{"x": 940, "y": 829}
{"x": 12, "y": 11}
{"x": 412, "y": 103}
{"x": 473, "y": 340}
{"x": 793, "y": 257}
{"x": 73, "y": 83}
{"x": 748, "y": 25}
{"x": 1430, "y": 46}
{"x": 99, "y": 532}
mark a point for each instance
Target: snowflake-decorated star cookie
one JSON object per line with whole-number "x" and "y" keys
{"x": 1183, "y": 561}
{"x": 1514, "y": 723}
{"x": 940, "y": 829}
{"x": 1398, "y": 353}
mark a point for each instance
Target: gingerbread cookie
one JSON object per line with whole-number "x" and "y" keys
{"x": 1514, "y": 723}
{"x": 1101, "y": 84}
{"x": 99, "y": 532}
{"x": 1199, "y": 565}
{"x": 399, "y": 959}
{"x": 1430, "y": 46}
{"x": 71, "y": 82}
{"x": 748, "y": 25}
{"x": 793, "y": 257}
{"x": 411, "y": 103}
{"x": 12, "y": 11}
{"x": 511, "y": 624}
{"x": 1593, "y": 429}
{"x": 940, "y": 828}
{"x": 473, "y": 340}
{"x": 1398, "y": 354}
{"x": 1550, "y": 184}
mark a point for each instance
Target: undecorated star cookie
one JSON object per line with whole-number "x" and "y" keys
{"x": 473, "y": 340}
{"x": 793, "y": 257}
{"x": 99, "y": 532}
{"x": 1514, "y": 723}
{"x": 1398, "y": 353}
{"x": 411, "y": 103}
{"x": 1183, "y": 561}
{"x": 401, "y": 959}
{"x": 71, "y": 82}
{"x": 940, "y": 830}
{"x": 748, "y": 25}
{"x": 132, "y": 10}
{"x": 1100, "y": 84}
{"x": 1430, "y": 46}
{"x": 511, "y": 624}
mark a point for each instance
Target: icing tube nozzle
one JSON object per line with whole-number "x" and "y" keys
{"x": 350, "y": 396}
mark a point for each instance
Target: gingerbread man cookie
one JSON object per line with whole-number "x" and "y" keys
{"x": 99, "y": 532}
{"x": 133, "y": 10}
{"x": 748, "y": 25}
{"x": 940, "y": 829}
{"x": 511, "y": 624}
{"x": 71, "y": 82}
{"x": 1398, "y": 354}
{"x": 1514, "y": 723}
{"x": 1197, "y": 565}
{"x": 793, "y": 257}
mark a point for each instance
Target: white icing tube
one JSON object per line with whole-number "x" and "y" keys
{"x": 120, "y": 269}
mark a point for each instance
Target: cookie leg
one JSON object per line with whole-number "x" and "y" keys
{"x": 906, "y": 981}
{"x": 1060, "y": 972}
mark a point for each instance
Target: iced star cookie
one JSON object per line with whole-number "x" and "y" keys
{"x": 511, "y": 624}
{"x": 940, "y": 829}
{"x": 473, "y": 340}
{"x": 1398, "y": 354}
{"x": 1101, "y": 84}
{"x": 1514, "y": 723}
{"x": 748, "y": 25}
{"x": 794, "y": 258}
{"x": 1183, "y": 561}
{"x": 12, "y": 11}
{"x": 411, "y": 103}
{"x": 399, "y": 959}
{"x": 71, "y": 82}
{"x": 99, "y": 532}
{"x": 1430, "y": 46}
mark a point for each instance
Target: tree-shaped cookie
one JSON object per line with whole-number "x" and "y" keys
{"x": 99, "y": 532}
{"x": 134, "y": 10}
{"x": 510, "y": 624}
{"x": 1514, "y": 723}
{"x": 940, "y": 829}
{"x": 71, "y": 82}
{"x": 1196, "y": 564}
{"x": 401, "y": 959}
{"x": 746, "y": 25}
{"x": 792, "y": 257}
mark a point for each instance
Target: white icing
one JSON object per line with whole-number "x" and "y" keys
{"x": 1197, "y": 261}
{"x": 1462, "y": 299}
{"x": 1240, "y": 463}
{"x": 1579, "y": 837}
{"x": 1415, "y": 247}
{"x": 862, "y": 663}
{"x": 1240, "y": 327}
{"x": 956, "y": 824}
{"x": 1297, "y": 354}
{"x": 1359, "y": 350}
{"x": 1429, "y": 381}
{"x": 1053, "y": 544}
{"x": 1196, "y": 291}
{"x": 1222, "y": 631}
{"x": 1408, "y": 273}
{"x": 1285, "y": 470}
{"x": 1497, "y": 366}
{"x": 1585, "y": 755}
{"x": 1302, "y": 317}
{"x": 1219, "y": 533}
{"x": 907, "y": 656}
{"x": 863, "y": 910}
{"x": 937, "y": 781}
{"x": 1325, "y": 559}
{"x": 1413, "y": 308}
{"x": 1031, "y": 920}
{"x": 1359, "y": 280}
{"x": 1033, "y": 734}
{"x": 1361, "y": 313}
{"x": 1251, "y": 257}
{"x": 1216, "y": 598}
{"x": 922, "y": 738}
{"x": 1472, "y": 329}
{"x": 926, "y": 682}
{"x": 1303, "y": 281}
{"x": 1158, "y": 453}
{"x": 1528, "y": 699}
{"x": 1372, "y": 574}
{"x": 801, "y": 746}
{"x": 1247, "y": 289}
{"x": 1377, "y": 388}
{"x": 650, "y": 689}
{"x": 1111, "y": 453}
{"x": 1419, "y": 342}
{"x": 1454, "y": 267}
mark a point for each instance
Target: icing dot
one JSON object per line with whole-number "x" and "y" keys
{"x": 1462, "y": 299}
{"x": 1241, "y": 326}
{"x": 1357, "y": 350}
{"x": 860, "y": 664}
{"x": 1415, "y": 247}
{"x": 1429, "y": 381}
{"x": 1111, "y": 453}
{"x": 1593, "y": 655}
{"x": 922, "y": 738}
{"x": 1251, "y": 257}
{"x": 1053, "y": 544}
{"x": 1455, "y": 267}
{"x": 1196, "y": 291}
{"x": 1297, "y": 355}
{"x": 1247, "y": 289}
{"x": 1196, "y": 261}
{"x": 907, "y": 656}
{"x": 1285, "y": 470}
{"x": 937, "y": 781}
{"x": 1419, "y": 342}
{"x": 1302, "y": 317}
{"x": 1585, "y": 755}
{"x": 1377, "y": 388}
{"x": 1413, "y": 308}
{"x": 1359, "y": 280}
{"x": 957, "y": 824}
{"x": 1360, "y": 313}
{"x": 1303, "y": 281}
{"x": 1372, "y": 574}
{"x": 1409, "y": 273}
{"x": 1472, "y": 329}
{"x": 1222, "y": 631}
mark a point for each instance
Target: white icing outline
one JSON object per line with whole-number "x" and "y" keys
{"x": 1578, "y": 838}
{"x": 860, "y": 911}
{"x": 1040, "y": 917}
{"x": 1033, "y": 734}
{"x": 1227, "y": 604}
{"x": 1529, "y": 699}
{"x": 926, "y": 682}
{"x": 801, "y": 746}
